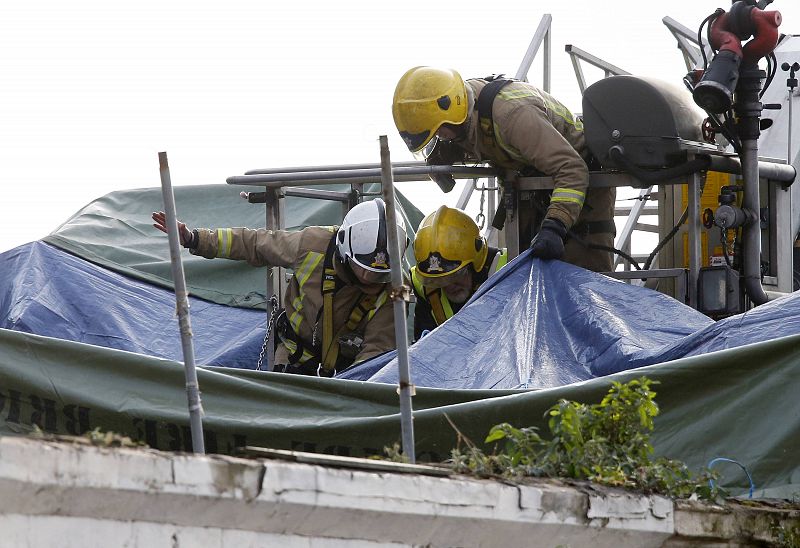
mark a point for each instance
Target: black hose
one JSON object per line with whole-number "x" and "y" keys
{"x": 667, "y": 238}
{"x": 610, "y": 249}
{"x": 709, "y": 20}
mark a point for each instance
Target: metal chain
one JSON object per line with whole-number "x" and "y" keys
{"x": 480, "y": 219}
{"x": 273, "y": 301}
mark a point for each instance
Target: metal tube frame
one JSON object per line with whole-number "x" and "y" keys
{"x": 687, "y": 43}
{"x": 542, "y": 35}
{"x": 623, "y": 241}
{"x": 577, "y": 54}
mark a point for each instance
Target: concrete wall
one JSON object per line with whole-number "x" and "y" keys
{"x": 73, "y": 495}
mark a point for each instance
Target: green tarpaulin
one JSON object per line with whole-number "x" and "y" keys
{"x": 116, "y": 232}
{"x": 741, "y": 404}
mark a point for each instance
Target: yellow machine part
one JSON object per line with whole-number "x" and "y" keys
{"x": 715, "y": 180}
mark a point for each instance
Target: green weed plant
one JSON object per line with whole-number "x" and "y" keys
{"x": 606, "y": 443}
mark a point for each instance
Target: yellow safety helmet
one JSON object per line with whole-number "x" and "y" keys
{"x": 448, "y": 240}
{"x": 424, "y": 99}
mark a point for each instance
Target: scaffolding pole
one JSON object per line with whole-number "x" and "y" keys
{"x": 182, "y": 302}
{"x": 399, "y": 296}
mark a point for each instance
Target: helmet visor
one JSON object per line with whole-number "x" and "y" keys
{"x": 376, "y": 260}
{"x": 425, "y": 152}
{"x": 416, "y": 141}
{"x": 370, "y": 277}
{"x": 436, "y": 265}
{"x": 443, "y": 281}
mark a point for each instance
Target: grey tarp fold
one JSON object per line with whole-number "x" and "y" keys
{"x": 740, "y": 403}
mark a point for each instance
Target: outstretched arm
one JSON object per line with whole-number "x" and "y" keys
{"x": 186, "y": 236}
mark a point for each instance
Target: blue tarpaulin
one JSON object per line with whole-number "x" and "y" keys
{"x": 536, "y": 324}
{"x": 49, "y": 292}
{"x": 542, "y": 324}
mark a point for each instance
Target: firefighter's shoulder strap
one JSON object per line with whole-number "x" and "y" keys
{"x": 366, "y": 303}
{"x": 437, "y": 300}
{"x": 440, "y": 306}
{"x": 486, "y": 100}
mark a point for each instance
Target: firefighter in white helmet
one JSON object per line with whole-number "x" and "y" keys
{"x": 336, "y": 309}
{"x": 453, "y": 260}
{"x": 515, "y": 126}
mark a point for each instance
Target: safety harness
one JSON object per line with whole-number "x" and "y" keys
{"x": 326, "y": 358}
{"x": 484, "y": 104}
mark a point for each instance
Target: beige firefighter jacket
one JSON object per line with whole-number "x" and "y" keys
{"x": 531, "y": 128}
{"x": 304, "y": 252}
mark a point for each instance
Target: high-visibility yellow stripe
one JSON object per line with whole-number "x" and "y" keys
{"x": 568, "y": 200}
{"x": 569, "y": 191}
{"x": 448, "y": 308}
{"x": 378, "y": 303}
{"x": 291, "y": 346}
{"x": 302, "y": 274}
{"x": 307, "y": 267}
{"x": 568, "y": 195}
{"x": 516, "y": 93}
{"x": 502, "y": 260}
{"x": 224, "y": 242}
{"x": 416, "y": 281}
{"x": 296, "y": 319}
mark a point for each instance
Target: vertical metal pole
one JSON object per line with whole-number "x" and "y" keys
{"x": 491, "y": 199}
{"x": 491, "y": 233}
{"x": 182, "y": 301}
{"x": 695, "y": 243}
{"x": 511, "y": 226}
{"x": 751, "y": 231}
{"x": 542, "y": 33}
{"x": 546, "y": 63}
{"x": 789, "y": 158}
{"x": 398, "y": 292}
{"x": 275, "y": 286}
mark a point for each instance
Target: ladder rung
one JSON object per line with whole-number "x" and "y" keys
{"x": 626, "y": 210}
{"x": 646, "y": 227}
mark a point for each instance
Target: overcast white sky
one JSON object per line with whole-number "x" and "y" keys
{"x": 90, "y": 91}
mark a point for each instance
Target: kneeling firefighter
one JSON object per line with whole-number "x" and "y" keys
{"x": 453, "y": 260}
{"x": 336, "y": 309}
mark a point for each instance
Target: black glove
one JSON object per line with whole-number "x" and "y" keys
{"x": 549, "y": 242}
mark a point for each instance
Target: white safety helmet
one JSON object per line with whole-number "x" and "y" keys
{"x": 361, "y": 240}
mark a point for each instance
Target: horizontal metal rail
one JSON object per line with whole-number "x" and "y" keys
{"x": 780, "y": 173}
{"x": 643, "y": 274}
{"x": 619, "y": 211}
{"x": 330, "y": 167}
{"x": 357, "y": 176}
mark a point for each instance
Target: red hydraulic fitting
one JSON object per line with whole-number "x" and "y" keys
{"x": 765, "y": 37}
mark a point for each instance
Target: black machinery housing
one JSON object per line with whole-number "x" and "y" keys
{"x": 646, "y": 117}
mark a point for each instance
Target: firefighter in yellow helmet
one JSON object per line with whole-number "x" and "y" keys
{"x": 453, "y": 260}
{"x": 515, "y": 126}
